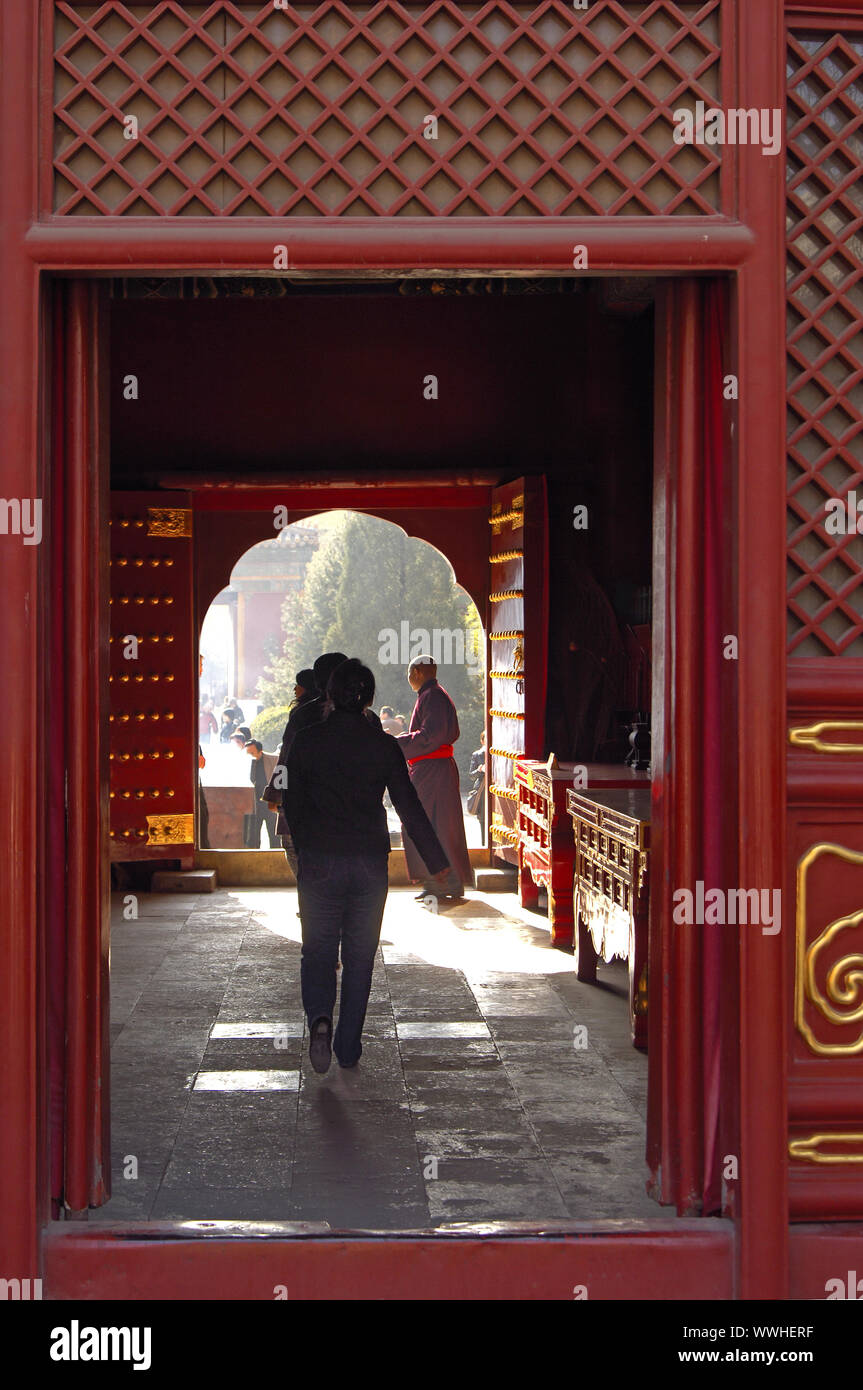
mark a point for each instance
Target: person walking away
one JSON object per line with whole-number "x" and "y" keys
{"x": 303, "y": 714}
{"x": 428, "y": 748}
{"x": 337, "y": 773}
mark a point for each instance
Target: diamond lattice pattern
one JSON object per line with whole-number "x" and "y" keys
{"x": 319, "y": 111}
{"x": 825, "y": 339}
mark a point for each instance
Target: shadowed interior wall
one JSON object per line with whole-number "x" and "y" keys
{"x": 333, "y": 382}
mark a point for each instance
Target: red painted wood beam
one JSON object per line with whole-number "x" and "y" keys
{"x": 799, "y": 9}
{"x": 351, "y": 499}
{"x": 819, "y": 686}
{"x": 640, "y": 1260}
{"x": 22, "y": 1148}
{"x": 764, "y": 986}
{"x": 370, "y": 246}
{"x": 819, "y": 1253}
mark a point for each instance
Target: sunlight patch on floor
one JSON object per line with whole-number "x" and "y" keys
{"x": 490, "y": 932}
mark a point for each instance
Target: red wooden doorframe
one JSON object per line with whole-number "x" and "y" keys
{"x": 751, "y": 247}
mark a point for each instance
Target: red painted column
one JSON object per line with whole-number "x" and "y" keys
{"x": 21, "y": 1203}
{"x": 87, "y": 1181}
{"x": 763, "y": 1199}
{"x": 674, "y": 1141}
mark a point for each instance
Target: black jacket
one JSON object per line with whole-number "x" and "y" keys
{"x": 301, "y": 717}
{"x": 337, "y": 773}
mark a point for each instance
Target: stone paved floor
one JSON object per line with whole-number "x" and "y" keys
{"x": 470, "y": 1102}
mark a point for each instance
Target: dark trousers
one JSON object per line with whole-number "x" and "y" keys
{"x": 290, "y": 854}
{"x": 342, "y": 899}
{"x": 263, "y": 816}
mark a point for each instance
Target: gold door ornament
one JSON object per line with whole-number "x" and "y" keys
{"x": 809, "y": 736}
{"x": 841, "y": 1003}
{"x": 809, "y": 1149}
{"x": 173, "y": 523}
{"x": 171, "y": 830}
{"x": 515, "y": 515}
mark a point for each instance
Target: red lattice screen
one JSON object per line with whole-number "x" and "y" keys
{"x": 245, "y": 110}
{"x": 825, "y": 338}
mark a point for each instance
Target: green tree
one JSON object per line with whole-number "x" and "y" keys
{"x": 366, "y": 592}
{"x": 306, "y": 617}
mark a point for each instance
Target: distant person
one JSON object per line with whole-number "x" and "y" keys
{"x": 337, "y": 772}
{"x": 241, "y": 736}
{"x": 389, "y": 723}
{"x": 262, "y": 812}
{"x": 303, "y": 714}
{"x": 203, "y": 812}
{"x": 305, "y": 687}
{"x": 227, "y": 728}
{"x": 207, "y": 725}
{"x": 428, "y": 748}
{"x": 476, "y": 800}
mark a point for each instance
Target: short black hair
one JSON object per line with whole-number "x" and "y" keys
{"x": 351, "y": 686}
{"x": 324, "y": 667}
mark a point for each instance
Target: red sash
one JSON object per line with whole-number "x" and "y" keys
{"x": 445, "y": 751}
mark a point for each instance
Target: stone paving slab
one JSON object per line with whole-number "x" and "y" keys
{"x": 470, "y": 1102}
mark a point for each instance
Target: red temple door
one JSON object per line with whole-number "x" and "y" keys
{"x": 517, "y": 630}
{"x": 153, "y": 736}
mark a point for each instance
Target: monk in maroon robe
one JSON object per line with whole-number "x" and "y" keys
{"x": 428, "y": 748}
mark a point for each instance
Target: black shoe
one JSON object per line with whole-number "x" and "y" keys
{"x": 348, "y": 1066}
{"x": 320, "y": 1046}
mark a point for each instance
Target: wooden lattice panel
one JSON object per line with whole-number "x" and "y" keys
{"x": 825, "y": 339}
{"x": 248, "y": 111}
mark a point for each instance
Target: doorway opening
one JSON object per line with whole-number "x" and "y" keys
{"x": 549, "y": 382}
{"x": 343, "y": 581}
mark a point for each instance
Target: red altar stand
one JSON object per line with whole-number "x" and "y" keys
{"x": 546, "y": 851}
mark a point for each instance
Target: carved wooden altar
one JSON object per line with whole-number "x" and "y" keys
{"x": 545, "y": 848}
{"x": 611, "y": 834}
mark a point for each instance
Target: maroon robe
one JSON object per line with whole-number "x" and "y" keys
{"x": 434, "y": 723}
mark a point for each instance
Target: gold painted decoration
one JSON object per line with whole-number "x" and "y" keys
{"x": 504, "y": 555}
{"x": 841, "y": 1000}
{"x": 809, "y": 736}
{"x": 810, "y": 1148}
{"x": 506, "y": 636}
{"x": 503, "y": 791}
{"x": 171, "y": 830}
{"x": 515, "y": 515}
{"x": 174, "y": 523}
{"x": 504, "y": 594}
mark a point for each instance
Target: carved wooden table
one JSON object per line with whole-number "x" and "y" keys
{"x": 546, "y": 853}
{"x": 611, "y": 842}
